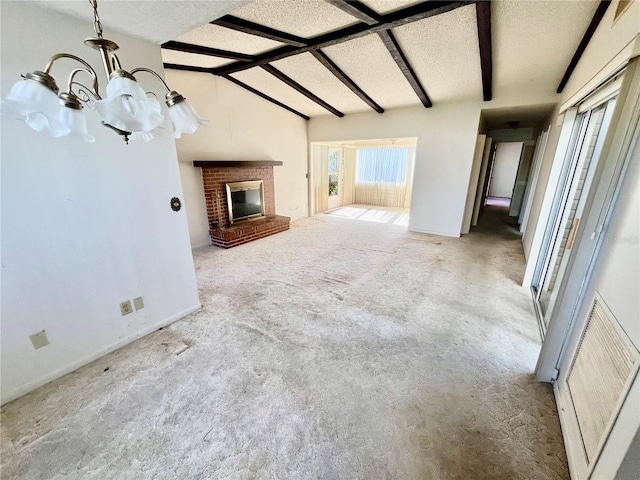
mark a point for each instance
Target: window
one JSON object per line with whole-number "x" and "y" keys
{"x": 382, "y": 165}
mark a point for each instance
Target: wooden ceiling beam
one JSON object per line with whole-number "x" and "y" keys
{"x": 595, "y": 21}
{"x": 296, "y": 86}
{"x": 398, "y": 55}
{"x": 398, "y": 18}
{"x": 187, "y": 68}
{"x": 344, "y": 78}
{"x": 246, "y": 26}
{"x": 483, "y": 19}
{"x": 202, "y": 50}
{"x": 358, "y": 10}
{"x": 262, "y": 95}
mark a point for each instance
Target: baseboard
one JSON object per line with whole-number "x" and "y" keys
{"x": 201, "y": 245}
{"x": 17, "y": 393}
{"x": 431, "y": 232}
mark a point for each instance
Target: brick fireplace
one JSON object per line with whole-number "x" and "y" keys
{"x": 216, "y": 174}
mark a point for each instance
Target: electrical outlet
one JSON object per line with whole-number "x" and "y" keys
{"x": 39, "y": 340}
{"x": 138, "y": 303}
{"x": 125, "y": 308}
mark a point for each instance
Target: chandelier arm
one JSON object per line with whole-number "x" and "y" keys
{"x": 148, "y": 70}
{"x": 85, "y": 94}
{"x": 115, "y": 62}
{"x": 87, "y": 69}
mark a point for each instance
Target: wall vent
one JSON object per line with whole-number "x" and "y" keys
{"x": 600, "y": 376}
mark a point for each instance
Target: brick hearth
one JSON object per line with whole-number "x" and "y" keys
{"x": 215, "y": 175}
{"x": 248, "y": 231}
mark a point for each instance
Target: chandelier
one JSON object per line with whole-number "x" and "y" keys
{"x": 126, "y": 108}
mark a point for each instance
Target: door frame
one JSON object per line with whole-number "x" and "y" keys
{"x": 541, "y": 148}
{"x": 529, "y": 147}
{"x": 477, "y": 207}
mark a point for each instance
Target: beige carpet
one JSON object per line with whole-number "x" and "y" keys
{"x": 340, "y": 349}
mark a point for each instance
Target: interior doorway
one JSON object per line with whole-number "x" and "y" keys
{"x": 505, "y": 167}
{"x": 367, "y": 173}
{"x": 513, "y": 136}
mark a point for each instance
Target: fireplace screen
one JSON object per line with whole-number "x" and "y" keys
{"x": 245, "y": 200}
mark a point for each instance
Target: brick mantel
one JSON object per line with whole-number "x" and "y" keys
{"x": 215, "y": 175}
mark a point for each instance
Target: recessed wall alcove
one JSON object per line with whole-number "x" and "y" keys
{"x": 216, "y": 174}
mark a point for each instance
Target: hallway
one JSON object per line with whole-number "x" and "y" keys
{"x": 335, "y": 350}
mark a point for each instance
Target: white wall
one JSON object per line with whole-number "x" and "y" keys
{"x": 505, "y": 168}
{"x": 609, "y": 40}
{"x": 84, "y": 226}
{"x": 242, "y": 126}
{"x": 446, "y": 136}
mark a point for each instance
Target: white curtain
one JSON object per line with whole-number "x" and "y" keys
{"x": 384, "y": 176}
{"x": 348, "y": 194}
{"x": 320, "y": 161}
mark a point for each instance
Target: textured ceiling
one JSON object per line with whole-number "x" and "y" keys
{"x": 306, "y": 70}
{"x": 533, "y": 42}
{"x": 386, "y": 6}
{"x": 219, "y": 37}
{"x": 183, "y": 58}
{"x": 445, "y": 58}
{"x": 368, "y": 63}
{"x": 154, "y": 20}
{"x": 304, "y": 18}
{"x": 267, "y": 83}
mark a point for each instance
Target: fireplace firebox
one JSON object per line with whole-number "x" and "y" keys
{"x": 245, "y": 200}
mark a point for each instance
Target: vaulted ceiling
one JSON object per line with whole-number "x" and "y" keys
{"x": 323, "y": 57}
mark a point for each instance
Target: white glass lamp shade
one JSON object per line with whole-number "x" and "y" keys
{"x": 75, "y": 120}
{"x": 147, "y": 136}
{"x": 128, "y": 108}
{"x": 185, "y": 119}
{"x": 36, "y": 105}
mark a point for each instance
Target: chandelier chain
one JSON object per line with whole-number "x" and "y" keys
{"x": 96, "y": 18}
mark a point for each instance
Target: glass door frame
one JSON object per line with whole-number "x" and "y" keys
{"x": 562, "y": 197}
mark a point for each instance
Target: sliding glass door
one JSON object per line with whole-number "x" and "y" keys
{"x": 575, "y": 180}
